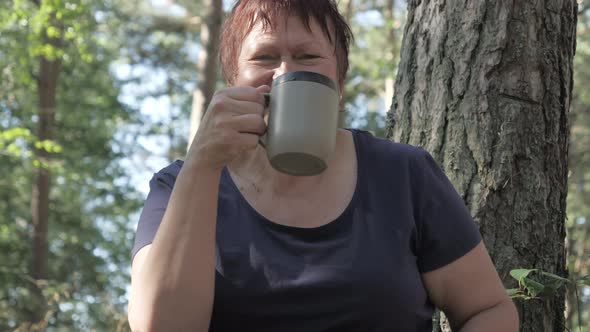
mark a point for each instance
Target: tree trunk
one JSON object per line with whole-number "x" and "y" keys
{"x": 207, "y": 66}
{"x": 46, "y": 90}
{"x": 389, "y": 14}
{"x": 576, "y": 248}
{"x": 347, "y": 8}
{"x": 486, "y": 86}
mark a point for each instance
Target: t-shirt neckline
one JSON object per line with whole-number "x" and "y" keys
{"x": 330, "y": 226}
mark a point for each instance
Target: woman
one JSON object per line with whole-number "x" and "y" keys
{"x": 227, "y": 243}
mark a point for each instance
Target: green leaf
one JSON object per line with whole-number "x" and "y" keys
{"x": 585, "y": 280}
{"x": 521, "y": 274}
{"x": 49, "y": 146}
{"x": 554, "y": 276}
{"x": 534, "y": 288}
{"x": 53, "y": 32}
{"x": 14, "y": 133}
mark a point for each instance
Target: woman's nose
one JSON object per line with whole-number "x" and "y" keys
{"x": 285, "y": 67}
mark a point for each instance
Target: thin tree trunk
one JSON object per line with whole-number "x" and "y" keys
{"x": 576, "y": 248}
{"x": 348, "y": 11}
{"x": 486, "y": 87}
{"x": 46, "y": 89}
{"x": 208, "y": 63}
{"x": 389, "y": 14}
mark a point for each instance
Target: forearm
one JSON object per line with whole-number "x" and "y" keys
{"x": 173, "y": 290}
{"x": 502, "y": 317}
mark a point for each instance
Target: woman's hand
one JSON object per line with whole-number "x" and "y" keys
{"x": 232, "y": 125}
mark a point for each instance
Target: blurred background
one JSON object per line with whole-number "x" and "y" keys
{"x": 96, "y": 96}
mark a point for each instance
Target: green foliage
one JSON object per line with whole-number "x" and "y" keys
{"x": 373, "y": 64}
{"x": 546, "y": 286}
{"x": 585, "y": 280}
{"x": 90, "y": 200}
{"x": 160, "y": 61}
{"x": 529, "y": 288}
{"x": 12, "y": 140}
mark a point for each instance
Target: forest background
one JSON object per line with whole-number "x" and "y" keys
{"x": 95, "y": 96}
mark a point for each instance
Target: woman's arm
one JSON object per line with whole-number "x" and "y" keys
{"x": 471, "y": 294}
{"x": 173, "y": 278}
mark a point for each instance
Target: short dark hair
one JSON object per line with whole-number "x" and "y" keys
{"x": 247, "y": 13}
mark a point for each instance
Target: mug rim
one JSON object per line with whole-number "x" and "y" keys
{"x": 306, "y": 76}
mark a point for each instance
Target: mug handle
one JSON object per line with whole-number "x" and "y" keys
{"x": 263, "y": 138}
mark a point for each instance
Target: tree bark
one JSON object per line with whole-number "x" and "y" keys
{"x": 208, "y": 63}
{"x": 486, "y": 87}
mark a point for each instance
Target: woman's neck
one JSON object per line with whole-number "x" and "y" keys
{"x": 254, "y": 168}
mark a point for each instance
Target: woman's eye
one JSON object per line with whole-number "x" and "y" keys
{"x": 309, "y": 56}
{"x": 263, "y": 57}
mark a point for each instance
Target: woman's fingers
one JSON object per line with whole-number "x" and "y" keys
{"x": 245, "y": 107}
{"x": 245, "y": 93}
{"x": 249, "y": 123}
{"x": 248, "y": 141}
{"x": 225, "y": 104}
{"x": 233, "y": 124}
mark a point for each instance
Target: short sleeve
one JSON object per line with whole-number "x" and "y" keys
{"x": 446, "y": 231}
{"x": 155, "y": 205}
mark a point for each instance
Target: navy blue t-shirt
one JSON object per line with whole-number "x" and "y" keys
{"x": 360, "y": 272}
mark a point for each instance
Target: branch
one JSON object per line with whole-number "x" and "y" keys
{"x": 175, "y": 24}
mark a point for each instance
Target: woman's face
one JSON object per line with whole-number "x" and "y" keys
{"x": 265, "y": 55}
